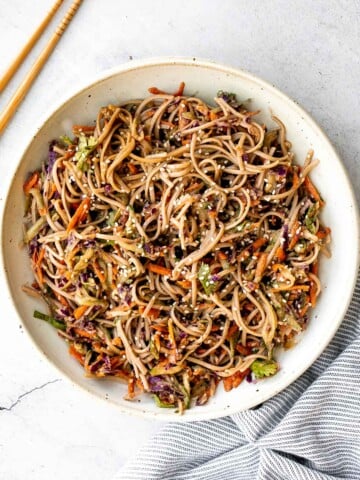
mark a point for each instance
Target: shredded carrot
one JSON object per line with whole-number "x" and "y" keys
{"x": 212, "y": 213}
{"x": 80, "y": 214}
{"x": 315, "y": 268}
{"x": 305, "y": 288}
{"x": 82, "y": 129}
{"x": 312, "y": 293}
{"x": 310, "y": 187}
{"x": 40, "y": 275}
{"x": 97, "y": 347}
{"x": 202, "y": 109}
{"x": 84, "y": 333}
{"x": 156, "y": 91}
{"x": 182, "y": 121}
{"x": 139, "y": 384}
{"x": 42, "y": 211}
{"x": 179, "y": 92}
{"x": 234, "y": 380}
{"x": 252, "y": 249}
{"x": 259, "y": 243}
{"x": 184, "y": 283}
{"x": 294, "y": 234}
{"x": 40, "y": 257}
{"x": 52, "y": 190}
{"x": 296, "y": 179}
{"x": 213, "y": 115}
{"x": 194, "y": 186}
{"x": 146, "y": 115}
{"x": 37, "y": 259}
{"x": 160, "y": 328}
{"x": 154, "y": 267}
{"x": 280, "y": 253}
{"x": 243, "y": 350}
{"x": 277, "y": 267}
{"x": 79, "y": 311}
{"x": 76, "y": 355}
{"x": 233, "y": 329}
{"x": 260, "y": 267}
{"x": 222, "y": 256}
{"x": 131, "y": 387}
{"x": 133, "y": 168}
{"x": 98, "y": 272}
{"x": 323, "y": 233}
{"x": 69, "y": 153}
{"x": 153, "y": 313}
{"x": 215, "y": 328}
{"x": 117, "y": 342}
{"x": 61, "y": 299}
{"x": 31, "y": 182}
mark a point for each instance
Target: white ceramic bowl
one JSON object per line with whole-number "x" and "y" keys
{"x": 203, "y": 79}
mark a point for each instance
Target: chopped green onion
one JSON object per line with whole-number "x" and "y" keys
{"x": 55, "y": 323}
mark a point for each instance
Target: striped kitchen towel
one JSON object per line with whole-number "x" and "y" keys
{"x": 309, "y": 431}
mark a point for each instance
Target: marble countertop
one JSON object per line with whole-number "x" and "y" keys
{"x": 309, "y": 50}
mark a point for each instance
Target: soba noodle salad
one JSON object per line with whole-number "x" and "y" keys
{"x": 176, "y": 244}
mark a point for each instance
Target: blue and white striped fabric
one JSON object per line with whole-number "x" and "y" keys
{"x": 309, "y": 431}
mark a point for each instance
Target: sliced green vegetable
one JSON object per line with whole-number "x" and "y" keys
{"x": 114, "y": 216}
{"x": 35, "y": 192}
{"x": 81, "y": 299}
{"x": 84, "y": 260}
{"x": 85, "y": 146}
{"x": 66, "y": 140}
{"x": 153, "y": 350}
{"x": 233, "y": 342}
{"x": 34, "y": 229}
{"x": 290, "y": 320}
{"x": 204, "y": 275}
{"x": 55, "y": 323}
{"x": 161, "y": 404}
{"x": 264, "y": 368}
{"x": 310, "y": 218}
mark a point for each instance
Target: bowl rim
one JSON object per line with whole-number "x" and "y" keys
{"x": 78, "y": 89}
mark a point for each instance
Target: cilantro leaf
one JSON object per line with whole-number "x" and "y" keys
{"x": 264, "y": 368}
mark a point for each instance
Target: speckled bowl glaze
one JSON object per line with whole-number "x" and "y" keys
{"x": 203, "y": 79}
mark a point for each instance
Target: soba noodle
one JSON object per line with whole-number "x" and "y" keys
{"x": 176, "y": 244}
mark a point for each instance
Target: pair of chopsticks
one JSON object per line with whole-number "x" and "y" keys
{"x": 25, "y": 85}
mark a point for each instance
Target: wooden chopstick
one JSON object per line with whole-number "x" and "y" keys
{"x": 25, "y": 85}
{"x": 28, "y": 47}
